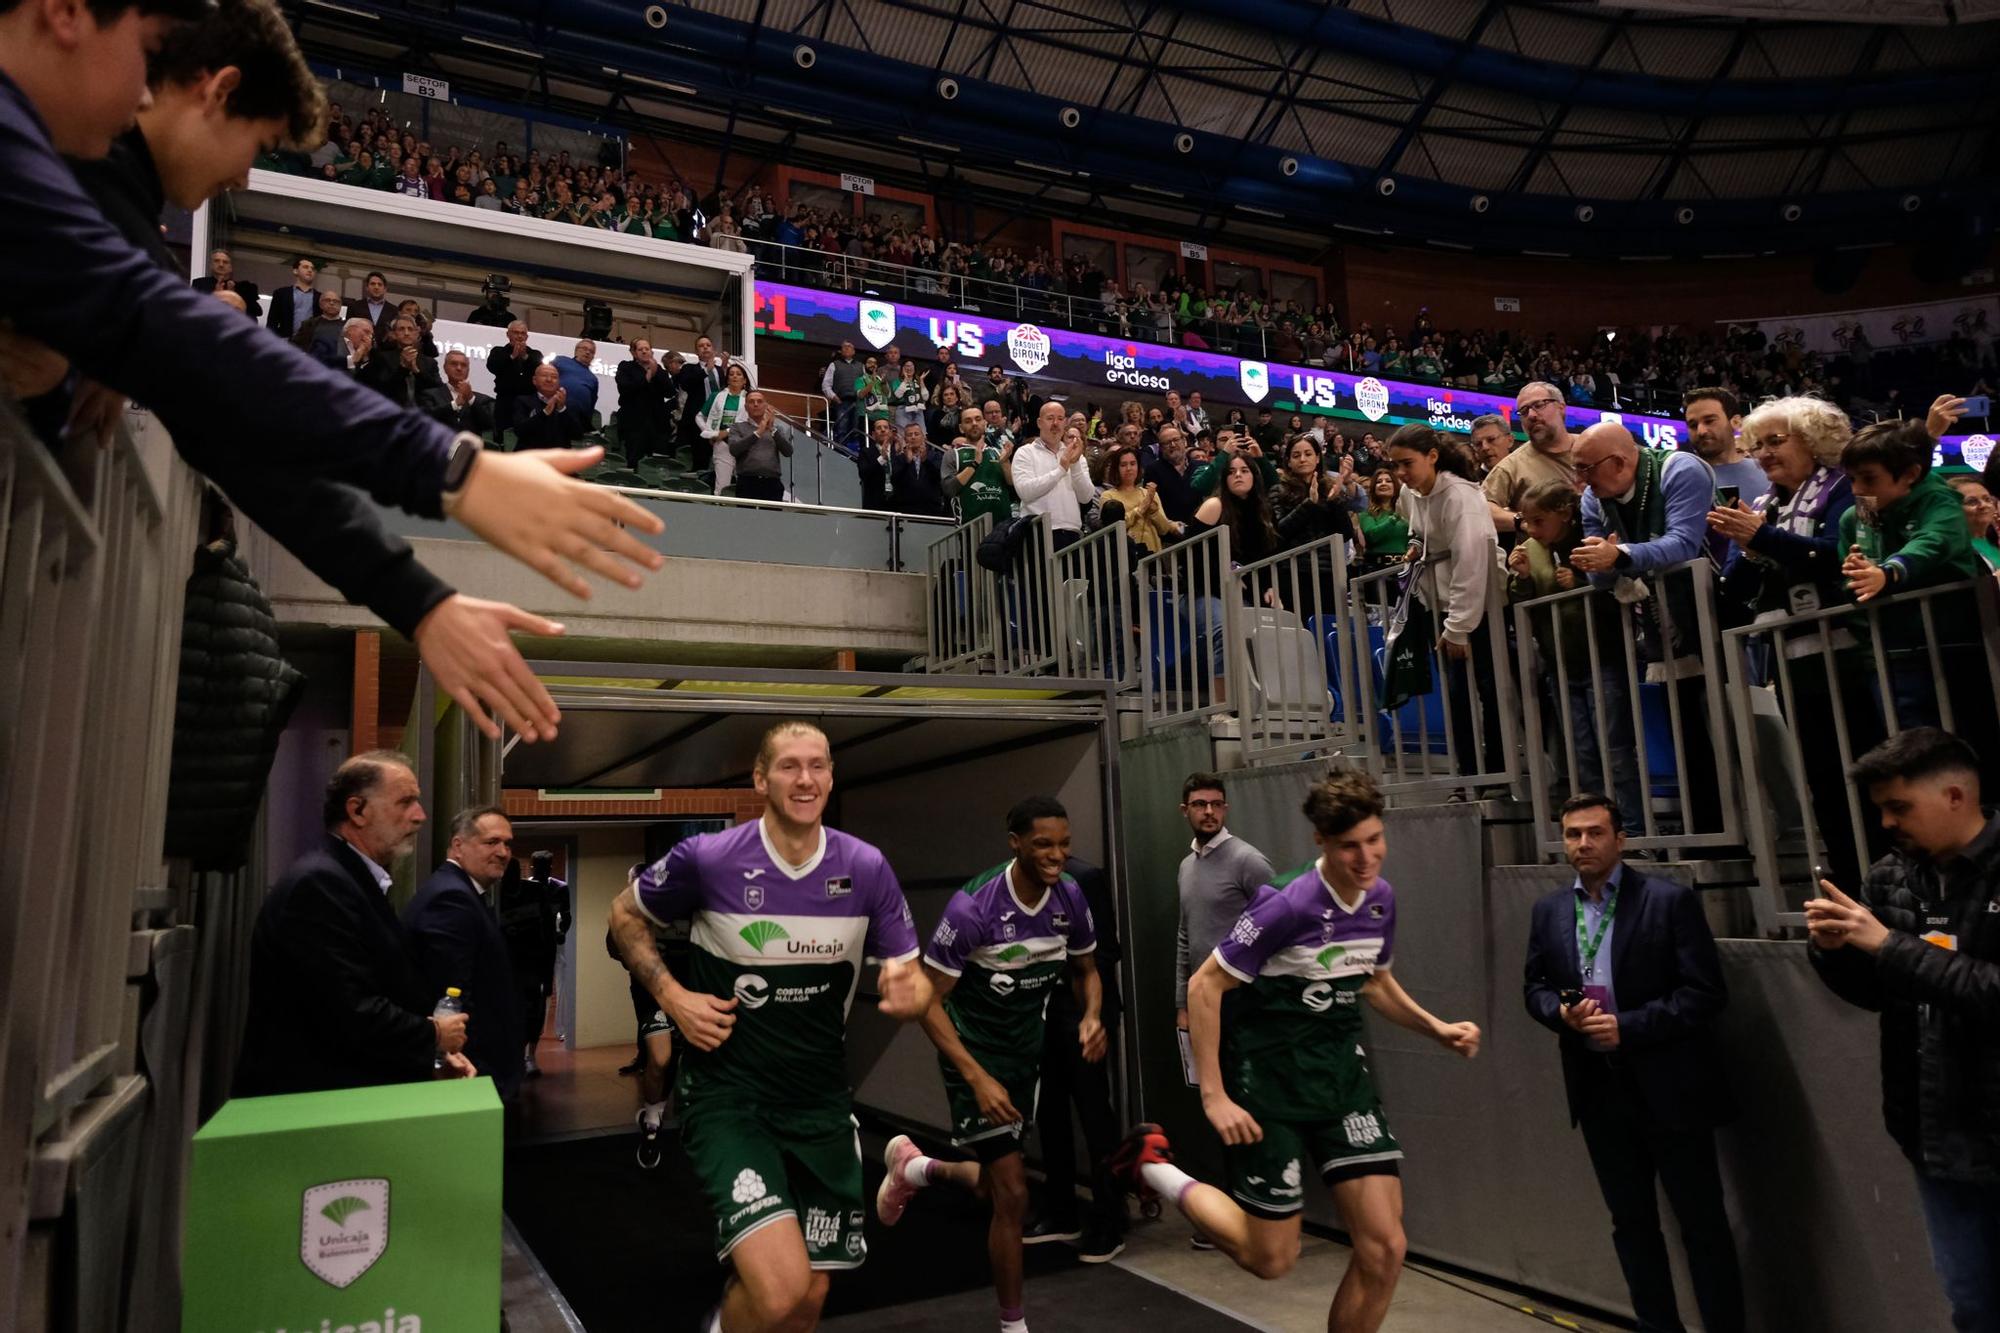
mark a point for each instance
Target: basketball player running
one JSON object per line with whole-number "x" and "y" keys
{"x": 1285, "y": 1081}
{"x": 1000, "y": 949}
{"x": 784, "y": 912}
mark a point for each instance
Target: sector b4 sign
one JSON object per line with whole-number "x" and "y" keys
{"x": 1372, "y": 397}
{"x": 878, "y": 323}
{"x": 344, "y": 1229}
{"x": 1029, "y": 347}
{"x": 1254, "y": 378}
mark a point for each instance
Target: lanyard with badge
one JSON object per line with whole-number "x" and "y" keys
{"x": 1587, "y": 946}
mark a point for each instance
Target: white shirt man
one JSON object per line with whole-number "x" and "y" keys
{"x": 1051, "y": 478}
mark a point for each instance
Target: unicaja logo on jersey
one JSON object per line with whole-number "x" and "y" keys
{"x": 1011, "y": 953}
{"x": 1326, "y": 956}
{"x": 751, "y": 989}
{"x": 760, "y": 933}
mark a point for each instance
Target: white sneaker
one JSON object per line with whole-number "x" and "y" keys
{"x": 896, "y": 1192}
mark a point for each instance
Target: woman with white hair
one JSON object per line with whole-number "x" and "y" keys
{"x": 1787, "y": 560}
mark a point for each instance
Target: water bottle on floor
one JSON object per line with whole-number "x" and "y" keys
{"x": 450, "y": 1004}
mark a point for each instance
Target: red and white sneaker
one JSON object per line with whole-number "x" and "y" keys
{"x": 896, "y": 1192}
{"x": 1142, "y": 1146}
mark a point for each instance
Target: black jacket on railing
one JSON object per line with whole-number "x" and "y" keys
{"x": 1940, "y": 1007}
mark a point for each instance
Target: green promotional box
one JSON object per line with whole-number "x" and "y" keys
{"x": 374, "y": 1210}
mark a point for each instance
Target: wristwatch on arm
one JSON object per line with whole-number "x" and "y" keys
{"x": 458, "y": 466}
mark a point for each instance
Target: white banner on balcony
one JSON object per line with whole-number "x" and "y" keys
{"x": 854, "y": 184}
{"x": 1974, "y": 317}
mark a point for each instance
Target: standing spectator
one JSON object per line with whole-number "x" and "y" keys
{"x": 757, "y": 441}
{"x": 698, "y": 380}
{"x": 455, "y": 940}
{"x": 979, "y": 483}
{"x": 840, "y": 384}
{"x": 222, "y": 278}
{"x": 872, "y": 460}
{"x": 1621, "y": 966}
{"x": 542, "y": 419}
{"x": 1539, "y": 407}
{"x": 872, "y": 392}
{"x": 1786, "y": 559}
{"x": 579, "y": 380}
{"x": 1172, "y": 476}
{"x": 1307, "y": 504}
{"x": 944, "y": 417}
{"x": 401, "y": 372}
{"x": 463, "y": 407}
{"x": 512, "y": 366}
{"x": 1447, "y": 514}
{"x": 1197, "y": 416}
{"x": 906, "y": 395}
{"x": 334, "y": 999}
{"x": 916, "y": 477}
{"x": 292, "y": 306}
{"x": 1914, "y": 944}
{"x": 645, "y": 404}
{"x": 321, "y": 336}
{"x": 1714, "y": 425}
{"x": 1050, "y": 478}
{"x": 359, "y": 336}
{"x": 374, "y": 305}
{"x": 1492, "y": 441}
{"x": 1645, "y": 512}
{"x": 719, "y": 417}
{"x": 537, "y": 941}
{"x": 1978, "y": 504}
{"x": 1146, "y": 521}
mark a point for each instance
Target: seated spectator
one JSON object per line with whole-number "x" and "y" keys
{"x": 1146, "y": 521}
{"x": 415, "y": 310}
{"x": 1787, "y": 559}
{"x": 401, "y": 372}
{"x": 409, "y": 181}
{"x": 512, "y": 366}
{"x": 542, "y": 419}
{"x": 1384, "y": 532}
{"x": 463, "y": 407}
{"x": 758, "y": 441}
{"x": 719, "y": 416}
{"x": 222, "y": 278}
{"x": 579, "y": 381}
{"x": 321, "y": 336}
{"x": 916, "y": 477}
{"x": 1577, "y": 643}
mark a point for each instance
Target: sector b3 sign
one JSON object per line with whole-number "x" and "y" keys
{"x": 1255, "y": 379}
{"x": 878, "y": 323}
{"x": 1029, "y": 347}
{"x": 1372, "y": 397}
{"x": 344, "y": 1229}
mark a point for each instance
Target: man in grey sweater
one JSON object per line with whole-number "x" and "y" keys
{"x": 1219, "y": 876}
{"x": 758, "y": 440}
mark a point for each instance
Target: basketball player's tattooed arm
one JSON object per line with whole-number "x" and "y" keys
{"x": 705, "y": 1020}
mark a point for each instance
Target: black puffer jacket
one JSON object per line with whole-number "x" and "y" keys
{"x": 236, "y": 692}
{"x": 1940, "y": 1007}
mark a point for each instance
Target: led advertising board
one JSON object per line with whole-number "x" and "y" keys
{"x": 1119, "y": 366}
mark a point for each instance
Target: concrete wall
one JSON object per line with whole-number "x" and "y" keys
{"x": 602, "y": 1001}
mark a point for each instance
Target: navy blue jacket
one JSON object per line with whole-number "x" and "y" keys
{"x": 1668, "y": 979}
{"x": 455, "y": 939}
{"x": 335, "y": 1001}
{"x": 68, "y": 279}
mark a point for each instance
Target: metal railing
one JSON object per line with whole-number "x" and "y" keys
{"x": 958, "y": 608}
{"x": 1188, "y": 617}
{"x": 1843, "y": 678}
{"x": 1460, "y": 729}
{"x": 1296, "y": 656}
{"x": 1094, "y": 594}
{"x": 984, "y": 296}
{"x": 1028, "y": 625}
{"x": 95, "y": 545}
{"x": 1635, "y": 699}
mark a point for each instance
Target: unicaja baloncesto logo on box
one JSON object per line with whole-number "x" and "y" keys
{"x": 344, "y": 1229}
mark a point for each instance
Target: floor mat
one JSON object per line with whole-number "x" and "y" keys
{"x": 633, "y": 1250}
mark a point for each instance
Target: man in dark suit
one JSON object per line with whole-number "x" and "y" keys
{"x": 374, "y": 305}
{"x": 541, "y": 420}
{"x": 646, "y": 395}
{"x": 292, "y": 306}
{"x": 456, "y": 941}
{"x": 335, "y": 999}
{"x": 222, "y": 278}
{"x": 400, "y": 371}
{"x": 512, "y": 365}
{"x": 698, "y": 381}
{"x": 1622, "y": 967}
{"x": 462, "y": 407}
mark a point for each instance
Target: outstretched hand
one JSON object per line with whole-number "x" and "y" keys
{"x": 530, "y": 505}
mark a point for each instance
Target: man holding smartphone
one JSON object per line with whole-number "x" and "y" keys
{"x": 1623, "y": 968}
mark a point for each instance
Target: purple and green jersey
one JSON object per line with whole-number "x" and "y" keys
{"x": 789, "y": 943}
{"x": 1291, "y": 1035}
{"x": 1007, "y": 959}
